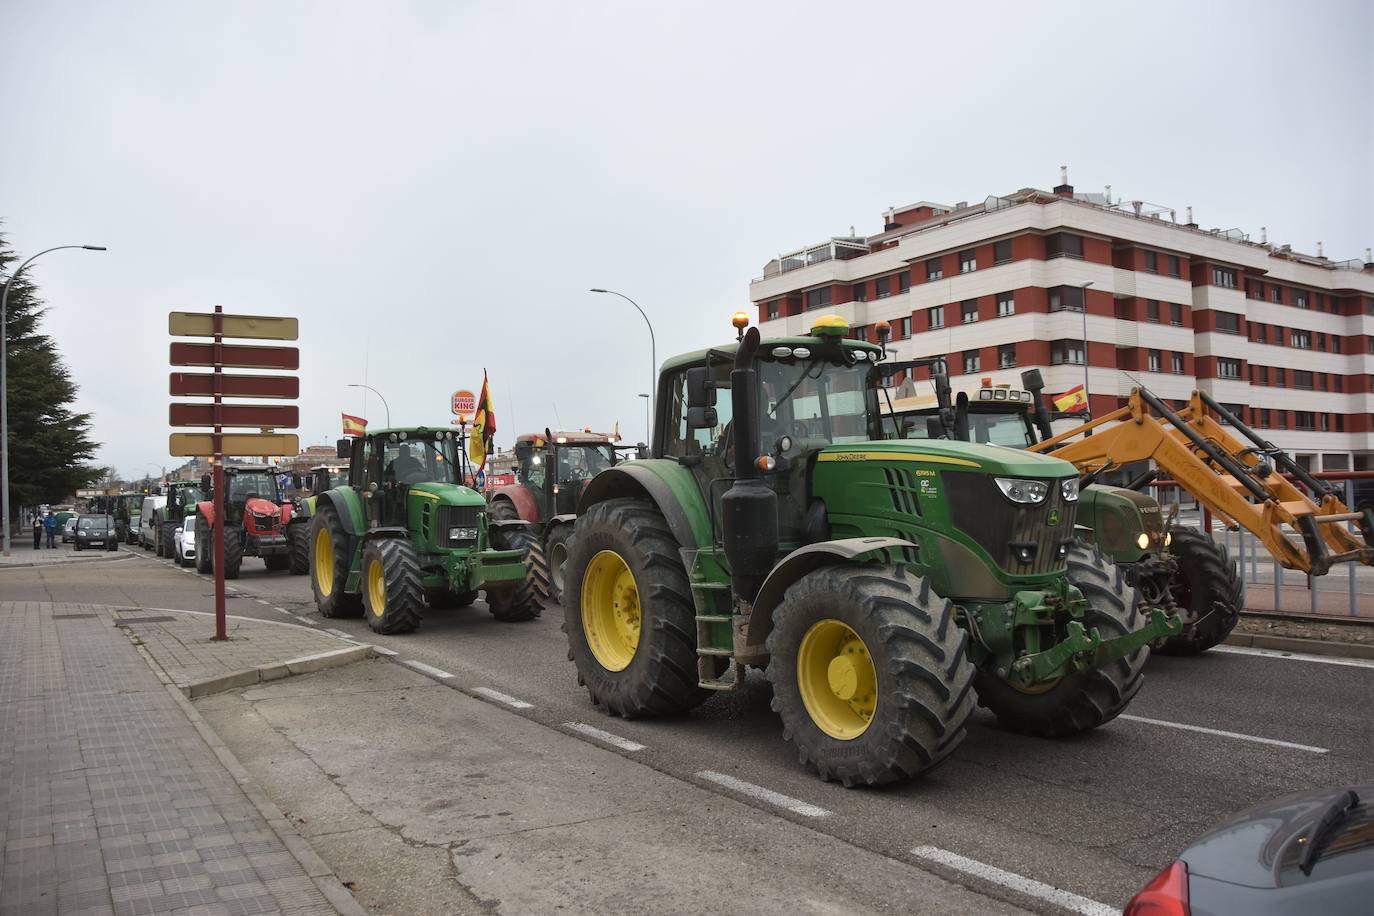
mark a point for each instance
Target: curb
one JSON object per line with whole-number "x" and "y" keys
{"x": 1298, "y": 644}
{"x": 58, "y": 564}
{"x": 276, "y": 671}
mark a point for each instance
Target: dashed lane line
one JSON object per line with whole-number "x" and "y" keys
{"x": 1019, "y": 883}
{"x": 786, "y": 802}
{"x": 1296, "y": 656}
{"x": 382, "y": 650}
{"x": 1225, "y": 734}
{"x": 432, "y": 671}
{"x": 605, "y": 737}
{"x": 339, "y": 633}
{"x": 497, "y": 696}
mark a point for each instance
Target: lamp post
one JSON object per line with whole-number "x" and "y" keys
{"x": 379, "y": 395}
{"x": 4, "y": 385}
{"x": 653, "y": 347}
{"x": 648, "y": 418}
{"x": 1083, "y": 291}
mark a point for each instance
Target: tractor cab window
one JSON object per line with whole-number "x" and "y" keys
{"x": 409, "y": 461}
{"x": 1010, "y": 429}
{"x": 815, "y": 402}
{"x": 256, "y": 484}
{"x": 678, "y": 440}
{"x": 532, "y": 469}
{"x": 582, "y": 462}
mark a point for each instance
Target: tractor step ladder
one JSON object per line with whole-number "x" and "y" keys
{"x": 706, "y": 596}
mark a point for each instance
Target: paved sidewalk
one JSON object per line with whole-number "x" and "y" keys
{"x": 118, "y": 799}
{"x": 23, "y": 555}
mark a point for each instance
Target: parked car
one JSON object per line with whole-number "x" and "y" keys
{"x": 185, "y": 540}
{"x": 147, "y": 521}
{"x": 68, "y": 529}
{"x": 96, "y": 532}
{"x": 1308, "y": 853}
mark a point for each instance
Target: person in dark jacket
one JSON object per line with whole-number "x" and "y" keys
{"x": 37, "y": 531}
{"x": 50, "y": 527}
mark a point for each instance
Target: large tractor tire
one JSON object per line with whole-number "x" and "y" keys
{"x": 298, "y": 536}
{"x": 556, "y": 551}
{"x": 168, "y": 547}
{"x": 393, "y": 591}
{"x": 503, "y": 510}
{"x": 330, "y": 561}
{"x": 871, "y": 675}
{"x": 233, "y": 552}
{"x": 1083, "y": 701}
{"x": 523, "y": 600}
{"x": 1208, "y": 589}
{"x": 628, "y": 612}
{"x": 205, "y": 546}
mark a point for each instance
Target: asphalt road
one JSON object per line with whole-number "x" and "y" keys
{"x": 1097, "y": 815}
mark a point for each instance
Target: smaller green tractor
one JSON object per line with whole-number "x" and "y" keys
{"x": 182, "y": 497}
{"x": 308, "y": 487}
{"x": 402, "y": 532}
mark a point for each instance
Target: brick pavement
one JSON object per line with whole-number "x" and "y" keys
{"x": 114, "y": 801}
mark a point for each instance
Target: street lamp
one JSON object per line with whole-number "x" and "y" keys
{"x": 1083, "y": 292}
{"x": 379, "y": 395}
{"x": 648, "y": 418}
{"x": 4, "y": 385}
{"x": 653, "y": 347}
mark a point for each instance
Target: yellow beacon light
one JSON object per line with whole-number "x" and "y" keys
{"x": 830, "y": 325}
{"x": 740, "y": 320}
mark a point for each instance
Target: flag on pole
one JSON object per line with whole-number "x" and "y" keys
{"x": 483, "y": 426}
{"x": 354, "y": 426}
{"x": 1072, "y": 400}
{"x": 616, "y": 434}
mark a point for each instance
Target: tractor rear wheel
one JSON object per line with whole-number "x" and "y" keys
{"x": 1208, "y": 589}
{"x": 522, "y": 600}
{"x": 169, "y": 543}
{"x": 298, "y": 537}
{"x": 1077, "y": 702}
{"x": 503, "y": 510}
{"x": 556, "y": 550}
{"x": 233, "y": 552}
{"x": 393, "y": 591}
{"x": 330, "y": 561}
{"x": 871, "y": 675}
{"x": 205, "y": 557}
{"x": 628, "y": 612}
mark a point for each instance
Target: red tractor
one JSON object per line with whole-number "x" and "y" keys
{"x": 551, "y": 471}
{"x": 256, "y": 516}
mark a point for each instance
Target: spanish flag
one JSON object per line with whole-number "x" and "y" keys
{"x": 483, "y": 427}
{"x": 1072, "y": 400}
{"x": 354, "y": 426}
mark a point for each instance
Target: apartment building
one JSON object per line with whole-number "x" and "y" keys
{"x": 1013, "y": 282}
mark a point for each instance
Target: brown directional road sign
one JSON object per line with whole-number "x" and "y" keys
{"x": 235, "y": 356}
{"x": 262, "y": 416}
{"x": 202, "y": 385}
{"x": 260, "y": 327}
{"x": 186, "y": 445}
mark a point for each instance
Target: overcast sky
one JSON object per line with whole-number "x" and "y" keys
{"x": 433, "y": 187}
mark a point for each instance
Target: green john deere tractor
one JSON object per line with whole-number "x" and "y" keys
{"x": 402, "y": 531}
{"x": 886, "y": 586}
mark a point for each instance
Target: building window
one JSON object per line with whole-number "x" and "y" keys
{"x": 1280, "y": 377}
{"x": 937, "y": 316}
{"x": 1001, "y": 251}
{"x": 1066, "y": 351}
{"x": 774, "y": 309}
{"x": 1006, "y": 356}
{"x": 1300, "y": 298}
{"x": 1259, "y": 375}
{"x": 934, "y": 269}
{"x": 968, "y": 311}
{"x": 1224, "y": 276}
{"x": 859, "y": 333}
{"x": 1228, "y": 368}
{"x": 882, "y": 287}
{"x": 1336, "y": 384}
{"x": 973, "y": 362}
{"x": 1006, "y": 305}
{"x": 1321, "y": 341}
{"x": 1173, "y": 265}
{"x": 1255, "y": 290}
{"x": 817, "y": 298}
{"x": 1300, "y": 339}
{"x": 1063, "y": 245}
{"x": 1228, "y": 322}
{"x": 1176, "y": 314}
{"x": 903, "y": 281}
{"x": 1152, "y": 310}
{"x": 1304, "y": 419}
{"x": 1067, "y": 299}
{"x": 1151, "y": 262}
{"x": 968, "y": 261}
{"x": 1276, "y": 294}
{"x": 1178, "y": 364}
{"x": 1302, "y": 379}
{"x": 903, "y": 328}
{"x": 1264, "y": 417}
{"x": 1154, "y": 361}
{"x": 1261, "y": 332}
{"x": 860, "y": 292}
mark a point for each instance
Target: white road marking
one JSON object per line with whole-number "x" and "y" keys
{"x": 339, "y": 633}
{"x": 1018, "y": 883}
{"x": 283, "y": 610}
{"x": 421, "y": 667}
{"x": 1224, "y": 734}
{"x": 796, "y": 806}
{"x": 261, "y": 601}
{"x": 503, "y": 698}
{"x": 382, "y": 650}
{"x": 625, "y": 744}
{"x": 1297, "y": 656}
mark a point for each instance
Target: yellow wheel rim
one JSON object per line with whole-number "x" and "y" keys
{"x": 324, "y": 562}
{"x": 837, "y": 680}
{"x": 376, "y": 587}
{"x": 610, "y": 611}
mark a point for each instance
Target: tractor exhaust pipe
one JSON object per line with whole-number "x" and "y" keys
{"x": 1032, "y": 382}
{"x": 749, "y": 509}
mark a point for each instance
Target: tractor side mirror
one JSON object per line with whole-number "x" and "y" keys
{"x": 205, "y": 483}
{"x": 296, "y": 482}
{"x": 641, "y": 451}
{"x": 343, "y": 448}
{"x": 701, "y": 390}
{"x": 701, "y": 417}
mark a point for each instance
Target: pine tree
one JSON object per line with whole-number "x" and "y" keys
{"x": 50, "y": 444}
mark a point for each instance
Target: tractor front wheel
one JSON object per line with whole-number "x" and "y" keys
{"x": 233, "y": 552}
{"x": 1208, "y": 589}
{"x": 1077, "y": 702}
{"x": 330, "y": 561}
{"x": 628, "y": 612}
{"x": 205, "y": 557}
{"x": 393, "y": 591}
{"x": 169, "y": 540}
{"x": 298, "y": 536}
{"x": 556, "y": 550}
{"x": 871, "y": 675}
{"x": 523, "y": 600}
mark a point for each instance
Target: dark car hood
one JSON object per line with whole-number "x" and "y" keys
{"x": 1253, "y": 847}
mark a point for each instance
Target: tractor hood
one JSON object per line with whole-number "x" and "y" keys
{"x": 987, "y": 459}
{"x": 259, "y": 506}
{"x": 448, "y": 494}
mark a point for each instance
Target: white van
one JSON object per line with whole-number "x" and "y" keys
{"x": 147, "y": 521}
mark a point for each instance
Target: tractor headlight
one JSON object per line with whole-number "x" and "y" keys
{"x": 1143, "y": 541}
{"x": 462, "y": 534}
{"x": 1021, "y": 490}
{"x": 1168, "y": 538}
{"x": 1068, "y": 487}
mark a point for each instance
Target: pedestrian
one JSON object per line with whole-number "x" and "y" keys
{"x": 50, "y": 526}
{"x": 37, "y": 531}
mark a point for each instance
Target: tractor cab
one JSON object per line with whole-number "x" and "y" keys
{"x": 996, "y": 415}
{"x": 398, "y": 463}
{"x": 555, "y": 467}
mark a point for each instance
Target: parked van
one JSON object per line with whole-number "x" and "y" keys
{"x": 147, "y": 521}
